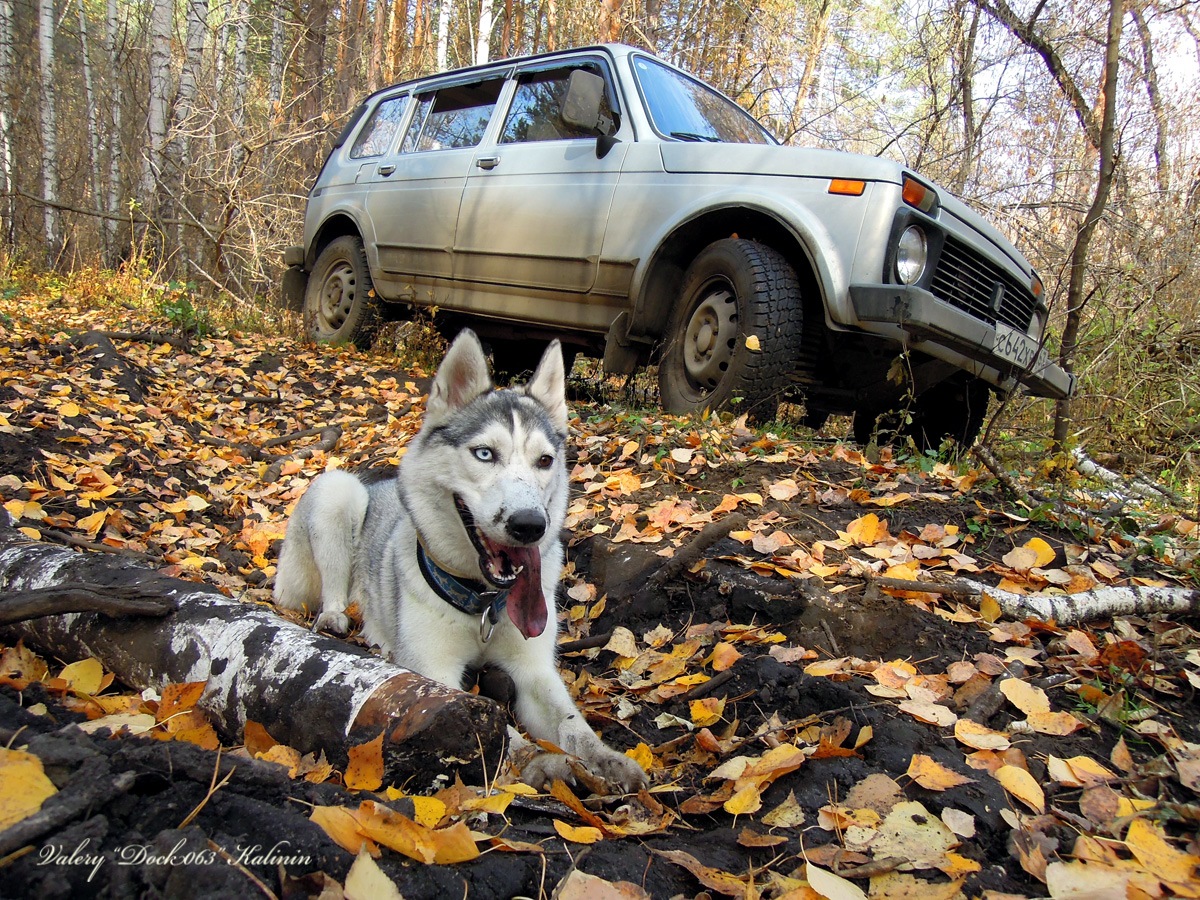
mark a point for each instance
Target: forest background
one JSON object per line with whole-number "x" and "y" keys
{"x": 180, "y": 137}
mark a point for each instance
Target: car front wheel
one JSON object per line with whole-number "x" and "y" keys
{"x": 734, "y": 332}
{"x": 340, "y": 306}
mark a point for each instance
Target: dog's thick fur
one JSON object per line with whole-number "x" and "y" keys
{"x": 486, "y": 461}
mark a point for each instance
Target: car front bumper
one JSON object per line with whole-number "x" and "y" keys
{"x": 926, "y": 318}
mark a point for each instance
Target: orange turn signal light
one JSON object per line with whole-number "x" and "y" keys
{"x": 849, "y": 186}
{"x": 916, "y": 194}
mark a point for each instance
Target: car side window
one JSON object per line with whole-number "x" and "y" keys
{"x": 376, "y": 135}
{"x": 452, "y": 117}
{"x": 535, "y": 114}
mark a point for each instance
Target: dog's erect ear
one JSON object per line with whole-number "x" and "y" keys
{"x": 548, "y": 386}
{"x": 462, "y": 376}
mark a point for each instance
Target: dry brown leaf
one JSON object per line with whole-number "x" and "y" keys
{"x": 713, "y": 879}
{"x": 582, "y": 886}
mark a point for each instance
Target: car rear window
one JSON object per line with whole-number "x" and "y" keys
{"x": 453, "y": 117}
{"x": 376, "y": 136}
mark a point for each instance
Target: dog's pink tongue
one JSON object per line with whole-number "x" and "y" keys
{"x": 526, "y": 605}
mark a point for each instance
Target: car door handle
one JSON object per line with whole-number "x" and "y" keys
{"x": 487, "y": 162}
{"x": 387, "y": 170}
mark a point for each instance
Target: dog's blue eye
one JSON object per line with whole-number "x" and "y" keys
{"x": 545, "y": 461}
{"x": 484, "y": 454}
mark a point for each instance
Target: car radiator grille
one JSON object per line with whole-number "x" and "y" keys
{"x": 966, "y": 280}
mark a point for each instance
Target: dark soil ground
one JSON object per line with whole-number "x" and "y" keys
{"x": 253, "y": 835}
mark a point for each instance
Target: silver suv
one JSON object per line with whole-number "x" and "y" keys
{"x": 604, "y": 197}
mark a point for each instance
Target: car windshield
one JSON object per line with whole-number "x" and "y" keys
{"x": 689, "y": 111}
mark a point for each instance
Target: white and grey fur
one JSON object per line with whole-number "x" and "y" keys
{"x": 354, "y": 539}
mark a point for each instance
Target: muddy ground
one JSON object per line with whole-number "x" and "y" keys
{"x": 252, "y": 837}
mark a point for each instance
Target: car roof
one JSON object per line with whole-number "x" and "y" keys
{"x": 613, "y": 50}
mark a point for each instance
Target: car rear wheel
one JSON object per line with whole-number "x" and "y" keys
{"x": 340, "y": 306}
{"x": 734, "y": 332}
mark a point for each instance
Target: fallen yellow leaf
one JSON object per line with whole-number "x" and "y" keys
{"x": 1160, "y": 858}
{"x": 578, "y": 834}
{"x": 84, "y": 677}
{"x": 364, "y": 771}
{"x": 932, "y": 775}
{"x": 24, "y": 786}
{"x": 1021, "y": 784}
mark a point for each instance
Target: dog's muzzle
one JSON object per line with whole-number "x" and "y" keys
{"x": 516, "y": 567}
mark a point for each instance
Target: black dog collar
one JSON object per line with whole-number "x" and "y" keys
{"x": 466, "y": 595}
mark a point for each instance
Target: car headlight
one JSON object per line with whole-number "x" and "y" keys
{"x": 912, "y": 252}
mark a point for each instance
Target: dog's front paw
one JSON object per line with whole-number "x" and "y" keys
{"x": 545, "y": 768}
{"x": 336, "y": 622}
{"x": 616, "y": 769}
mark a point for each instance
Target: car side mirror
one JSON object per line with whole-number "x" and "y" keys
{"x": 582, "y": 102}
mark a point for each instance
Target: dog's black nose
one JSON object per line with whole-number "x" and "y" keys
{"x": 526, "y": 526}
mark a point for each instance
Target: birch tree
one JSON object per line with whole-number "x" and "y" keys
{"x": 6, "y": 154}
{"x": 113, "y": 136}
{"x": 483, "y": 44}
{"x": 161, "y": 15}
{"x": 93, "y": 116}
{"x": 49, "y": 127}
{"x": 443, "y": 35}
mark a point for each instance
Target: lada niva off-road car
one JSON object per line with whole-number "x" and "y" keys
{"x": 607, "y": 198}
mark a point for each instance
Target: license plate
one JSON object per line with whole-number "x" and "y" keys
{"x": 1019, "y": 349}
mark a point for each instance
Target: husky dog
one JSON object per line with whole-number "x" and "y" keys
{"x": 454, "y": 559}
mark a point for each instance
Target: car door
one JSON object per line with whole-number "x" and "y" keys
{"x": 414, "y": 195}
{"x": 536, "y": 204}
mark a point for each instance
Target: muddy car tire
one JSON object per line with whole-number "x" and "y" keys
{"x": 734, "y": 332}
{"x": 340, "y": 306}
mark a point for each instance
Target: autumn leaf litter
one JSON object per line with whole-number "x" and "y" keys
{"x": 807, "y": 732}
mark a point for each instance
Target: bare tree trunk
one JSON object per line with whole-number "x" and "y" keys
{"x": 506, "y": 30}
{"x": 1150, "y": 76}
{"x": 966, "y": 96}
{"x": 610, "y": 20}
{"x": 93, "y": 117}
{"x": 275, "y": 61}
{"x": 378, "y": 35}
{"x": 178, "y": 150}
{"x": 49, "y": 128}
{"x": 443, "y": 35}
{"x": 1027, "y": 34}
{"x": 241, "y": 75}
{"x": 483, "y": 43}
{"x": 814, "y": 46}
{"x": 1076, "y": 299}
{"x": 161, "y": 24}
{"x": 113, "y": 138}
{"x": 316, "y": 23}
{"x": 6, "y": 88}
{"x": 189, "y": 79}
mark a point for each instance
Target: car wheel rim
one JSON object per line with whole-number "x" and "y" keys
{"x": 337, "y": 296}
{"x": 710, "y": 338}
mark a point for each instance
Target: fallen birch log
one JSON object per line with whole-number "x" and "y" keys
{"x": 1064, "y": 609}
{"x": 1123, "y": 488}
{"x": 1098, "y": 603}
{"x": 311, "y": 692}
